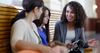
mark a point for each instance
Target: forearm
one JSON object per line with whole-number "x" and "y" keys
{"x": 22, "y": 45}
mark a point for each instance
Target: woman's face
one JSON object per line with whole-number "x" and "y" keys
{"x": 70, "y": 14}
{"x": 38, "y": 12}
{"x": 46, "y": 17}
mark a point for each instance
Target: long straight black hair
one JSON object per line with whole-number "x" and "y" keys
{"x": 40, "y": 21}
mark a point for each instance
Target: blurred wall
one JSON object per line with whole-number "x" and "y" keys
{"x": 98, "y": 15}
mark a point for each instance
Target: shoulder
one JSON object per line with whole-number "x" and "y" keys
{"x": 59, "y": 22}
{"x": 19, "y": 24}
{"x": 34, "y": 26}
{"x": 20, "y": 21}
{"x": 80, "y": 29}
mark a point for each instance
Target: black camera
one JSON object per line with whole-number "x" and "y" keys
{"x": 77, "y": 45}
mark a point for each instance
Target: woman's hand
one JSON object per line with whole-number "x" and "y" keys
{"x": 60, "y": 49}
{"x": 70, "y": 45}
{"x": 92, "y": 42}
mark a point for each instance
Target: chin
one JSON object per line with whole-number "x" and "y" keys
{"x": 45, "y": 23}
{"x": 70, "y": 20}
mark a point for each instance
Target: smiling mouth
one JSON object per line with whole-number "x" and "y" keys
{"x": 70, "y": 19}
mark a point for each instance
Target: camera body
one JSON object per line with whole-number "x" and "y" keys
{"x": 77, "y": 45}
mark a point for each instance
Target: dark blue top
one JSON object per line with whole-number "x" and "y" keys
{"x": 43, "y": 36}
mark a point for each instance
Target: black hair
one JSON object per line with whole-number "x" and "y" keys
{"x": 28, "y": 5}
{"x": 43, "y": 14}
{"x": 40, "y": 21}
{"x": 79, "y": 13}
{"x": 18, "y": 16}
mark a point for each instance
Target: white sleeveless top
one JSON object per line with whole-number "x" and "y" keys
{"x": 21, "y": 30}
{"x": 70, "y": 36}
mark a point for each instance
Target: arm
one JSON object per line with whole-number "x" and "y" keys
{"x": 18, "y": 44}
{"x": 90, "y": 43}
{"x": 83, "y": 37}
{"x": 87, "y": 43}
{"x": 23, "y": 45}
{"x": 57, "y": 33}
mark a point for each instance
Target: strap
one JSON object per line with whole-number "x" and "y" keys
{"x": 38, "y": 37}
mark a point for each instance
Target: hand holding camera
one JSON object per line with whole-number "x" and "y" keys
{"x": 75, "y": 46}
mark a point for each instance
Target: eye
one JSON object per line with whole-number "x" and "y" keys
{"x": 72, "y": 12}
{"x": 67, "y": 11}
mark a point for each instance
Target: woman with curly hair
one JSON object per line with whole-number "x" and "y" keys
{"x": 71, "y": 26}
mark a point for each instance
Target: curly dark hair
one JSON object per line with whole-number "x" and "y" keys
{"x": 79, "y": 13}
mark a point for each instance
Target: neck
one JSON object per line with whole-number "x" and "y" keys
{"x": 42, "y": 25}
{"x": 70, "y": 26}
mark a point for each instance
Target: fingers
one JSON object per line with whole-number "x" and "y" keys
{"x": 69, "y": 45}
{"x": 92, "y": 41}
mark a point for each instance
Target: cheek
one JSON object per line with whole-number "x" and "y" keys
{"x": 41, "y": 11}
{"x": 66, "y": 15}
{"x": 39, "y": 14}
{"x": 74, "y": 16}
{"x": 45, "y": 20}
{"x": 71, "y": 16}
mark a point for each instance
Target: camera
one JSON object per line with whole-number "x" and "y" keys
{"x": 77, "y": 45}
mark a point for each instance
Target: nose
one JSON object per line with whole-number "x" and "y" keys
{"x": 69, "y": 14}
{"x": 48, "y": 18}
